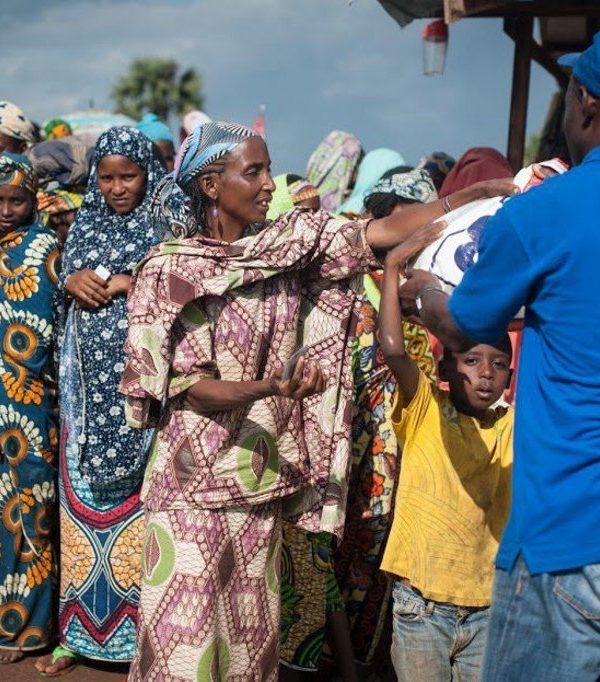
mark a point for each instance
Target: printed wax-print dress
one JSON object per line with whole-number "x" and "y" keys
{"x": 375, "y": 466}
{"x": 101, "y": 523}
{"x": 101, "y": 458}
{"x": 28, "y": 437}
{"x": 309, "y": 591}
{"x": 215, "y": 482}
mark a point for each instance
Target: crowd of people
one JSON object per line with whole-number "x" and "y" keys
{"x": 243, "y": 438}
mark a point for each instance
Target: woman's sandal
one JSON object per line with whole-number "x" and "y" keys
{"x": 62, "y": 652}
{"x": 8, "y": 656}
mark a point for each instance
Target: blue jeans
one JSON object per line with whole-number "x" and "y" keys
{"x": 544, "y": 627}
{"x": 436, "y": 642}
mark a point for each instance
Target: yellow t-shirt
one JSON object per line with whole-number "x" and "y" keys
{"x": 453, "y": 497}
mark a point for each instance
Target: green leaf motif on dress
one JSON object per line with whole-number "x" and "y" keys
{"x": 158, "y": 556}
{"x": 258, "y": 461}
{"x": 214, "y": 663}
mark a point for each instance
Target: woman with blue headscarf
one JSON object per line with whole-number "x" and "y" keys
{"x": 248, "y": 428}
{"x": 28, "y": 433}
{"x": 372, "y": 167}
{"x": 159, "y": 133}
{"x": 101, "y": 458}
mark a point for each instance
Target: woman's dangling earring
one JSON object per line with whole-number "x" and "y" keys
{"x": 215, "y": 212}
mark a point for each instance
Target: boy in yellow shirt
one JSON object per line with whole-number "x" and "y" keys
{"x": 452, "y": 500}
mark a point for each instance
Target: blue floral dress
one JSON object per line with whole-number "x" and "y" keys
{"x": 101, "y": 458}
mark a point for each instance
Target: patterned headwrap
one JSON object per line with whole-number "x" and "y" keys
{"x": 16, "y": 170}
{"x": 56, "y": 128}
{"x": 14, "y": 123}
{"x": 301, "y": 190}
{"x": 331, "y": 167}
{"x": 438, "y": 165}
{"x": 205, "y": 145}
{"x": 416, "y": 185}
{"x": 286, "y": 196}
{"x": 55, "y": 201}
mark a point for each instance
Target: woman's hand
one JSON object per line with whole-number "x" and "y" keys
{"x": 298, "y": 387}
{"x": 486, "y": 189}
{"x": 421, "y": 238}
{"x": 88, "y": 289}
{"x": 118, "y": 284}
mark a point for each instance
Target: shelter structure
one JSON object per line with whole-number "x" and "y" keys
{"x": 564, "y": 26}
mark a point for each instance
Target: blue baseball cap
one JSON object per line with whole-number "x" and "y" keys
{"x": 586, "y": 66}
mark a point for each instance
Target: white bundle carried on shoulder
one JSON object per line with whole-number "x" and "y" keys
{"x": 450, "y": 256}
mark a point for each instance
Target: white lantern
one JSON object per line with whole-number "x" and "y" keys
{"x": 435, "y": 46}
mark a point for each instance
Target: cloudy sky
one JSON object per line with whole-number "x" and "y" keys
{"x": 315, "y": 64}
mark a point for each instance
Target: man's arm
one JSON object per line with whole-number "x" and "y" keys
{"x": 491, "y": 293}
{"x": 434, "y": 312}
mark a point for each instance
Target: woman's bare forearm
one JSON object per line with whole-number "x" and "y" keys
{"x": 215, "y": 395}
{"x": 385, "y": 233}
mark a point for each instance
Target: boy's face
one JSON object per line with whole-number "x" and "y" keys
{"x": 477, "y": 377}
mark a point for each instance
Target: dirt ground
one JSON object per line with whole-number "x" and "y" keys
{"x": 92, "y": 671}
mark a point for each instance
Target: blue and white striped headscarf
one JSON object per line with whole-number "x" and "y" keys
{"x": 204, "y": 146}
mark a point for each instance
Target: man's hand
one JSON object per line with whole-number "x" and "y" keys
{"x": 416, "y": 280}
{"x": 486, "y": 189}
{"x": 543, "y": 172}
{"x": 421, "y": 238}
{"x": 88, "y": 289}
{"x": 298, "y": 387}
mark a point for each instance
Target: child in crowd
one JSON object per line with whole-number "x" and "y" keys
{"x": 452, "y": 500}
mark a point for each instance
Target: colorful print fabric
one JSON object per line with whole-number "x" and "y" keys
{"x": 416, "y": 185}
{"x": 331, "y": 167}
{"x": 203, "y": 308}
{"x": 17, "y": 171}
{"x": 101, "y": 530}
{"x": 309, "y": 591}
{"x": 102, "y": 459}
{"x": 55, "y": 201}
{"x": 28, "y": 437}
{"x": 210, "y": 598}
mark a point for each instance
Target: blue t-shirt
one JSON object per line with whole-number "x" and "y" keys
{"x": 542, "y": 250}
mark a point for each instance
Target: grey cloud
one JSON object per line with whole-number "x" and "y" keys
{"x": 317, "y": 65}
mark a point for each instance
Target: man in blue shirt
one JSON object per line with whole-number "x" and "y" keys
{"x": 542, "y": 251}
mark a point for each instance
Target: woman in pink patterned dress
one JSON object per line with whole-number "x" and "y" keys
{"x": 214, "y": 316}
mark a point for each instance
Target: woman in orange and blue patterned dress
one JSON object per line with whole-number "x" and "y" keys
{"x": 28, "y": 434}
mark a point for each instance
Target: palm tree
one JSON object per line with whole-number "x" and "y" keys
{"x": 154, "y": 84}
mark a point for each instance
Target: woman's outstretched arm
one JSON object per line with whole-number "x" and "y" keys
{"x": 385, "y": 233}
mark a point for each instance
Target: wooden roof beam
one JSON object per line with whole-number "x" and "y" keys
{"x": 540, "y": 55}
{"x": 541, "y": 8}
